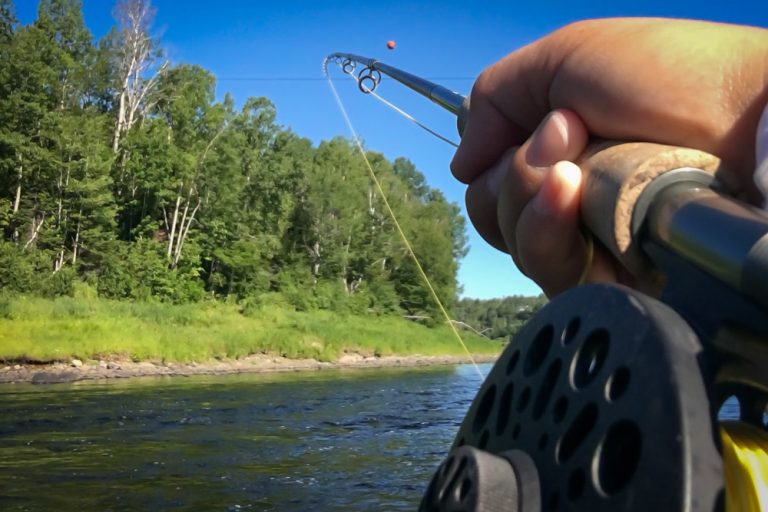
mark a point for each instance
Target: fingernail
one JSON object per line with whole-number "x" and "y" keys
{"x": 548, "y": 142}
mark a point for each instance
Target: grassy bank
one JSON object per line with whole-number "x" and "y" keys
{"x": 34, "y": 329}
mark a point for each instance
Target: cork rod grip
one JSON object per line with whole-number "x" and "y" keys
{"x": 615, "y": 175}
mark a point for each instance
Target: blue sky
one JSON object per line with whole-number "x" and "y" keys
{"x": 252, "y": 45}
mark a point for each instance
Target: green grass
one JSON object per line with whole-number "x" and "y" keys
{"x": 33, "y": 329}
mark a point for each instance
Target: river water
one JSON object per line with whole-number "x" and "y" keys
{"x": 322, "y": 441}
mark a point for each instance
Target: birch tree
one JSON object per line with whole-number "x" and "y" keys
{"x": 169, "y": 178}
{"x": 138, "y": 65}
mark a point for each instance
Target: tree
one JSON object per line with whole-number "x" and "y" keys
{"x": 85, "y": 211}
{"x": 169, "y": 171}
{"x": 415, "y": 181}
{"x": 252, "y": 210}
{"x": 137, "y": 66}
{"x": 431, "y": 233}
{"x": 54, "y": 190}
{"x": 332, "y": 212}
{"x": 8, "y": 21}
{"x": 62, "y": 24}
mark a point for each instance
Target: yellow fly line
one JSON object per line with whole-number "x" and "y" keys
{"x": 745, "y": 463}
{"x": 407, "y": 244}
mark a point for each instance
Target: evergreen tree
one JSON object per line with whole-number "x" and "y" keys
{"x": 8, "y": 21}
{"x": 61, "y": 23}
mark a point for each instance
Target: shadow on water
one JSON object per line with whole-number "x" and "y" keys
{"x": 328, "y": 440}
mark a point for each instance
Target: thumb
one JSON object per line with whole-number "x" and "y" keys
{"x": 552, "y": 248}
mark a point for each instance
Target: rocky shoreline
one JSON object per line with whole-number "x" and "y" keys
{"x": 77, "y": 370}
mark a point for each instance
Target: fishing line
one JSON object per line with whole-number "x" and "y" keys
{"x": 400, "y": 230}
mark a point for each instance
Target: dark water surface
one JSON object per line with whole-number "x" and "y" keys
{"x": 328, "y": 440}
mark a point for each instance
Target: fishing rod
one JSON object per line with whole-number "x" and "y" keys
{"x": 608, "y": 398}
{"x": 369, "y": 78}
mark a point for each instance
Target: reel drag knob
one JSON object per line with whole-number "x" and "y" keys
{"x": 472, "y": 480}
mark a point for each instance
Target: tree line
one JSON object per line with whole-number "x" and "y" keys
{"x": 123, "y": 173}
{"x": 499, "y": 318}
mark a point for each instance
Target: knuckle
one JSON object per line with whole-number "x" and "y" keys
{"x": 483, "y": 85}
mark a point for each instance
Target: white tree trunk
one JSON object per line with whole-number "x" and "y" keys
{"x": 59, "y": 261}
{"x": 76, "y": 241}
{"x": 120, "y": 122}
{"x": 34, "y": 230}
{"x": 172, "y": 233}
{"x": 17, "y": 201}
{"x": 184, "y": 232}
{"x": 181, "y": 230}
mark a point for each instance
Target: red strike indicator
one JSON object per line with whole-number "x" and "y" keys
{"x": 391, "y": 45}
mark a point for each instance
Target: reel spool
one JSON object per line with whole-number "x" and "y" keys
{"x": 599, "y": 403}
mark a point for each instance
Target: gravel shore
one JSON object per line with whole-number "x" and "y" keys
{"x": 77, "y": 370}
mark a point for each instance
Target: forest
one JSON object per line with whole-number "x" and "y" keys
{"x": 122, "y": 177}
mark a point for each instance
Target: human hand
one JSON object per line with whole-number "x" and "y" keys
{"x": 692, "y": 84}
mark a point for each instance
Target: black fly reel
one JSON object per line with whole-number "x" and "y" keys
{"x": 599, "y": 403}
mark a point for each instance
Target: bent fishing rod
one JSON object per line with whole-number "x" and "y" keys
{"x": 608, "y": 398}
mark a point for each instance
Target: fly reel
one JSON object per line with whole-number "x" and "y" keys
{"x": 599, "y": 403}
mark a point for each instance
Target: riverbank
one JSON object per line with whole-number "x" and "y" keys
{"x": 34, "y": 330}
{"x": 77, "y": 370}
{"x": 69, "y": 339}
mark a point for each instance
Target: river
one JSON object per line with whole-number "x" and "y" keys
{"x": 328, "y": 440}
